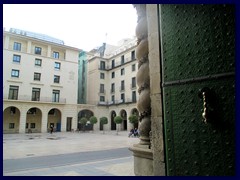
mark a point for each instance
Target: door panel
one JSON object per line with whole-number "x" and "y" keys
{"x": 198, "y": 44}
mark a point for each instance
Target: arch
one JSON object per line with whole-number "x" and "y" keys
{"x": 134, "y": 111}
{"x": 33, "y": 120}
{"x": 54, "y": 119}
{"x": 123, "y": 114}
{"x": 113, "y": 124}
{"x": 11, "y": 120}
{"x": 85, "y": 113}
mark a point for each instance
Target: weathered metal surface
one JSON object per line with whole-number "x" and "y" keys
{"x": 198, "y": 41}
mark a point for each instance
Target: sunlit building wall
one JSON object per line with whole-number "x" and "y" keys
{"x": 39, "y": 83}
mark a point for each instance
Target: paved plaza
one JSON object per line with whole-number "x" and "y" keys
{"x": 41, "y": 145}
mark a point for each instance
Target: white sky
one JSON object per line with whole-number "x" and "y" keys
{"x": 83, "y": 26}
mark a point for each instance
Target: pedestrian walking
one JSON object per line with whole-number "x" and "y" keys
{"x": 51, "y": 129}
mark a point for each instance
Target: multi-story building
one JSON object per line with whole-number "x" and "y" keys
{"x": 39, "y": 82}
{"x": 48, "y": 83}
{"x": 112, "y": 82}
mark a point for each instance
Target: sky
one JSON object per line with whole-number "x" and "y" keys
{"x": 84, "y": 26}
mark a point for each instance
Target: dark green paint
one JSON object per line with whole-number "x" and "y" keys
{"x": 197, "y": 41}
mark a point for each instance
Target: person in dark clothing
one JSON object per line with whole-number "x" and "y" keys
{"x": 136, "y": 134}
{"x": 51, "y": 129}
{"x": 131, "y": 133}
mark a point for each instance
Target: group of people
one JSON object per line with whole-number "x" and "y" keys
{"x": 134, "y": 132}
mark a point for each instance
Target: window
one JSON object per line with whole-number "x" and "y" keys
{"x": 57, "y": 65}
{"x": 101, "y": 88}
{"x": 56, "y": 79}
{"x": 133, "y": 82}
{"x": 112, "y": 88}
{"x": 13, "y": 92}
{"x": 113, "y": 63}
{"x": 102, "y": 76}
{"x": 122, "y": 85}
{"x": 37, "y": 76}
{"x": 102, "y": 98}
{"x": 11, "y": 125}
{"x": 55, "y": 55}
{"x": 122, "y": 71}
{"x": 122, "y": 59}
{"x": 55, "y": 95}
{"x": 113, "y": 98}
{"x": 35, "y": 94}
{"x": 113, "y": 74}
{"x": 38, "y": 50}
{"x": 26, "y": 125}
{"x": 32, "y": 125}
{"x": 133, "y": 67}
{"x": 15, "y": 73}
{"x": 16, "y": 58}
{"x": 123, "y": 97}
{"x": 102, "y": 65}
{"x": 17, "y": 46}
{"x": 134, "y": 99}
{"x": 38, "y": 62}
{"x": 133, "y": 55}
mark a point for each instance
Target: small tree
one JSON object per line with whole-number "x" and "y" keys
{"x": 93, "y": 120}
{"x": 83, "y": 121}
{"x": 118, "y": 120}
{"x": 133, "y": 119}
{"x": 103, "y": 120}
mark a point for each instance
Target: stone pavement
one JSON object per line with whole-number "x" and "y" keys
{"x": 41, "y": 144}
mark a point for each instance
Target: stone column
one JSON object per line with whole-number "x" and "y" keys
{"x": 143, "y": 79}
{"x": 44, "y": 121}
{"x": 23, "y": 119}
{"x": 143, "y": 159}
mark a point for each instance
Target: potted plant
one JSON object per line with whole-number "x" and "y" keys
{"x": 133, "y": 119}
{"x": 83, "y": 121}
{"x": 93, "y": 120}
{"x": 103, "y": 120}
{"x": 118, "y": 120}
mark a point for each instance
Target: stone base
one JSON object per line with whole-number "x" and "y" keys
{"x": 143, "y": 160}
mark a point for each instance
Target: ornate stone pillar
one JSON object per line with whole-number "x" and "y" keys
{"x": 143, "y": 79}
{"x": 143, "y": 159}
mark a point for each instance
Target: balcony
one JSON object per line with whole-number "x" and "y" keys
{"x": 29, "y": 98}
{"x": 122, "y": 88}
{"x": 112, "y": 91}
{"x": 133, "y": 86}
{"x": 101, "y": 92}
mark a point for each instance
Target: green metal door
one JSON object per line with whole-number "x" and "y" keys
{"x": 198, "y": 82}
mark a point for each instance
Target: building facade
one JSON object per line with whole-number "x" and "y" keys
{"x": 48, "y": 83}
{"x": 112, "y": 82}
{"x": 40, "y": 82}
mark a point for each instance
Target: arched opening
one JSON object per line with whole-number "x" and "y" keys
{"x": 34, "y": 120}
{"x": 113, "y": 124}
{"x": 87, "y": 114}
{"x": 54, "y": 119}
{"x": 123, "y": 114}
{"x": 134, "y": 111}
{"x": 11, "y": 120}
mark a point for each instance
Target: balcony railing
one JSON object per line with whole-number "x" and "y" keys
{"x": 102, "y": 91}
{"x": 117, "y": 64}
{"x": 122, "y": 88}
{"x": 29, "y": 98}
{"x": 133, "y": 86}
{"x": 116, "y": 102}
{"x": 112, "y": 90}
